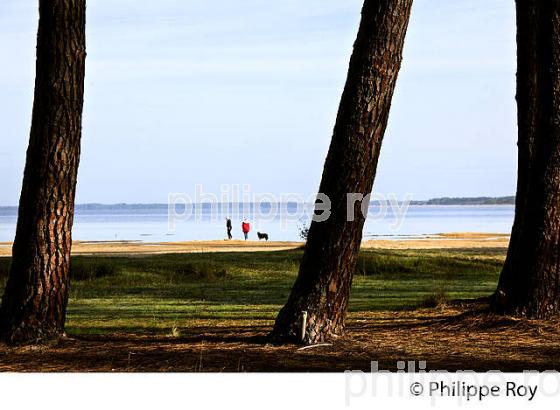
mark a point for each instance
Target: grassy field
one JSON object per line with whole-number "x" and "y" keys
{"x": 211, "y": 312}
{"x": 166, "y": 293}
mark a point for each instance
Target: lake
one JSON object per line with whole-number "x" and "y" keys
{"x": 151, "y": 223}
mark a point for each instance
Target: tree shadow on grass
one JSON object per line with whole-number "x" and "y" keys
{"x": 452, "y": 338}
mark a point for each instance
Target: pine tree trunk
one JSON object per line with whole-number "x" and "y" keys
{"x": 322, "y": 288}
{"x": 530, "y": 281}
{"x": 35, "y": 298}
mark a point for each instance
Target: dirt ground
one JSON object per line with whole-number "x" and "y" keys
{"x": 459, "y": 337}
{"x": 440, "y": 241}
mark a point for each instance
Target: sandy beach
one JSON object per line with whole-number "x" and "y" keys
{"x": 440, "y": 241}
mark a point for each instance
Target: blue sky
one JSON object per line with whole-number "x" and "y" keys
{"x": 185, "y": 92}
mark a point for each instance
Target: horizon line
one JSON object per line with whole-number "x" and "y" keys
{"x": 465, "y": 198}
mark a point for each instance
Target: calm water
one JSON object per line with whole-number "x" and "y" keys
{"x": 151, "y": 224}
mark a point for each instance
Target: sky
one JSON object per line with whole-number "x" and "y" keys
{"x": 221, "y": 92}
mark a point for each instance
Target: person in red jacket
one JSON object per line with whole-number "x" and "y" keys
{"x": 246, "y": 227}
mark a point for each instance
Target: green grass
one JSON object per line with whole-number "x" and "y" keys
{"x": 163, "y": 293}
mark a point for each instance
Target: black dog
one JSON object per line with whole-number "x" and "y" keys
{"x": 262, "y": 236}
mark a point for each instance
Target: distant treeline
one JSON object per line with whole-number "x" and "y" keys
{"x": 481, "y": 200}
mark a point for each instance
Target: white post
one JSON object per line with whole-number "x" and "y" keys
{"x": 303, "y": 324}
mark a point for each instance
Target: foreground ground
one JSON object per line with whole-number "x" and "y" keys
{"x": 211, "y": 311}
{"x": 446, "y": 339}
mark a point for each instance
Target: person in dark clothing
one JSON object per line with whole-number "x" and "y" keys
{"x": 229, "y": 228}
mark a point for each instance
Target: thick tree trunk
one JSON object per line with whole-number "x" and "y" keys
{"x": 530, "y": 281}
{"x": 322, "y": 288}
{"x": 35, "y": 298}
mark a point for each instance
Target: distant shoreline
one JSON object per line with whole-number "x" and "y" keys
{"x": 443, "y": 201}
{"x": 482, "y": 200}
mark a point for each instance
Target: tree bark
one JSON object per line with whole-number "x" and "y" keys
{"x": 322, "y": 288}
{"x": 530, "y": 281}
{"x": 34, "y": 302}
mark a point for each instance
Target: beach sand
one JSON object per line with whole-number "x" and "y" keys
{"x": 439, "y": 241}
